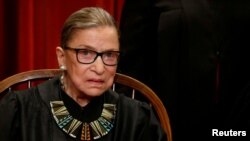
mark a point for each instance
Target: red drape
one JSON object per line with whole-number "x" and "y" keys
{"x": 30, "y": 31}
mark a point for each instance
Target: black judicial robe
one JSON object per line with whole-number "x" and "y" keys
{"x": 26, "y": 116}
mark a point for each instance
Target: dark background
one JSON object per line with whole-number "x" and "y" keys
{"x": 194, "y": 53}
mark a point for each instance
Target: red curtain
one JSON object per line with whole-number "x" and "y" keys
{"x": 30, "y": 31}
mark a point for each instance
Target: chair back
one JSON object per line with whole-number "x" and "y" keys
{"x": 132, "y": 87}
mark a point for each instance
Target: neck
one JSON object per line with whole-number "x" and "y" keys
{"x": 78, "y": 98}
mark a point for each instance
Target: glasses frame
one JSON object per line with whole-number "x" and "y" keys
{"x": 97, "y": 54}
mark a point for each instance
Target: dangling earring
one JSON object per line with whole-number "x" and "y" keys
{"x": 62, "y": 82}
{"x": 62, "y": 67}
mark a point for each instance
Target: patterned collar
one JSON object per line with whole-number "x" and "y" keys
{"x": 91, "y": 122}
{"x": 80, "y": 129}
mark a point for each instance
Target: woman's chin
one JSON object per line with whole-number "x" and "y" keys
{"x": 93, "y": 92}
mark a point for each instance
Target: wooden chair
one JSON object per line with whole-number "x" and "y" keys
{"x": 30, "y": 78}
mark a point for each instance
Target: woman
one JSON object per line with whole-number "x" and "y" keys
{"x": 79, "y": 105}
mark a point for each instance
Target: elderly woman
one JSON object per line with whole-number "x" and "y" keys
{"x": 79, "y": 105}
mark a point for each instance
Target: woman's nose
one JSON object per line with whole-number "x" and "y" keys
{"x": 99, "y": 66}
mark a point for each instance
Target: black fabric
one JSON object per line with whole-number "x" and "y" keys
{"x": 27, "y": 117}
{"x": 193, "y": 53}
{"x": 88, "y": 113}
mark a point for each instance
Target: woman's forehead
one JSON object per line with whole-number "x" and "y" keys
{"x": 95, "y": 38}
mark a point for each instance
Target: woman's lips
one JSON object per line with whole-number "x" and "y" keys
{"x": 96, "y": 81}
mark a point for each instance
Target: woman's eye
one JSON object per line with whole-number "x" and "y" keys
{"x": 108, "y": 54}
{"x": 86, "y": 52}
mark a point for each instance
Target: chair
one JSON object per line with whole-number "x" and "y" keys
{"x": 30, "y": 78}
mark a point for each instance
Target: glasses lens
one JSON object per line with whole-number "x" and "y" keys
{"x": 86, "y": 56}
{"x": 110, "y": 58}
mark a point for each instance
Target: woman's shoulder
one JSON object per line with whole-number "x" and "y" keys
{"x": 21, "y": 94}
{"x": 125, "y": 100}
{"x": 126, "y": 104}
{"x": 134, "y": 104}
{"x": 32, "y": 94}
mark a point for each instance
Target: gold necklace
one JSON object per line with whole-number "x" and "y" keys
{"x": 97, "y": 128}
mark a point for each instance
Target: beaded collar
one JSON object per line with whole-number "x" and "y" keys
{"x": 82, "y": 129}
{"x": 97, "y": 128}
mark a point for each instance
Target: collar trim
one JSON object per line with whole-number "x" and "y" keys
{"x": 80, "y": 129}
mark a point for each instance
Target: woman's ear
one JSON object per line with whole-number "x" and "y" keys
{"x": 60, "y": 56}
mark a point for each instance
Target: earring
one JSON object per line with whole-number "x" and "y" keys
{"x": 62, "y": 82}
{"x": 62, "y": 67}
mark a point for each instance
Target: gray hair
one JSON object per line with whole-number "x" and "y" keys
{"x": 86, "y": 18}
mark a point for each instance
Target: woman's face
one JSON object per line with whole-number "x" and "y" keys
{"x": 89, "y": 80}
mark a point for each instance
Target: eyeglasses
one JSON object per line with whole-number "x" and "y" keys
{"x": 86, "y": 56}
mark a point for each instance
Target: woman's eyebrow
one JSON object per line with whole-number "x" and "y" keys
{"x": 83, "y": 46}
